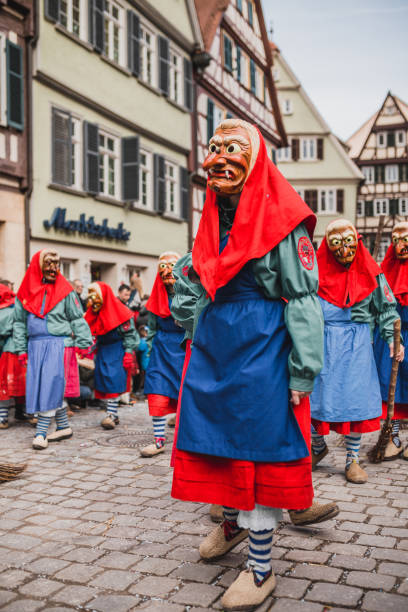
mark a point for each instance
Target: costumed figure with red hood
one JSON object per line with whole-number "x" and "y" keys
{"x": 166, "y": 356}
{"x": 12, "y": 373}
{"x": 49, "y": 330}
{"x": 244, "y": 424}
{"x": 395, "y": 268}
{"x": 354, "y": 296}
{"x": 113, "y": 328}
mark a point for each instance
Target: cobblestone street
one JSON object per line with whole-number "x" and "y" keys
{"x": 91, "y": 525}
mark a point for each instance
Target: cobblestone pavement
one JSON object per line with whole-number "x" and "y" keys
{"x": 92, "y": 526}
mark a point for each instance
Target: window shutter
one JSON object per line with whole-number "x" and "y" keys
{"x": 188, "y": 84}
{"x": 403, "y": 173}
{"x": 91, "y": 157}
{"x": 159, "y": 183}
{"x": 238, "y": 63}
{"x": 229, "y": 115}
{"x": 15, "y": 86}
{"x": 210, "y": 119}
{"x": 390, "y": 139}
{"x": 311, "y": 199}
{"x": 253, "y": 75}
{"x": 227, "y": 53}
{"x": 379, "y": 174}
{"x": 394, "y": 207}
{"x": 369, "y": 208}
{"x": 97, "y": 24}
{"x": 273, "y": 154}
{"x": 295, "y": 149}
{"x": 340, "y": 201}
{"x": 51, "y": 10}
{"x": 164, "y": 59}
{"x": 61, "y": 147}
{"x": 184, "y": 193}
{"x": 130, "y": 169}
{"x": 133, "y": 42}
{"x": 320, "y": 148}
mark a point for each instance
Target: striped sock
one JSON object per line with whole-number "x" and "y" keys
{"x": 259, "y": 558}
{"x": 112, "y": 407}
{"x": 61, "y": 418}
{"x": 395, "y": 433}
{"x": 230, "y": 524}
{"x": 4, "y": 411}
{"x": 42, "y": 425}
{"x": 159, "y": 426}
{"x": 318, "y": 443}
{"x": 353, "y": 441}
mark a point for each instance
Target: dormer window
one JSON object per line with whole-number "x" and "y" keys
{"x": 381, "y": 140}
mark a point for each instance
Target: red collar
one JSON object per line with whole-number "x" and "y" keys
{"x": 396, "y": 273}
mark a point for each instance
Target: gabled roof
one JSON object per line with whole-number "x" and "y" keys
{"x": 210, "y": 13}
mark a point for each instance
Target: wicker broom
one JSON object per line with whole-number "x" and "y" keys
{"x": 376, "y": 454}
{"x": 11, "y": 471}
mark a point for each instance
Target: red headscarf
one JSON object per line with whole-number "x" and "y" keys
{"x": 33, "y": 289}
{"x": 158, "y": 302}
{"x": 112, "y": 314}
{"x": 343, "y": 286}
{"x": 268, "y": 210}
{"x": 7, "y": 296}
{"x": 396, "y": 273}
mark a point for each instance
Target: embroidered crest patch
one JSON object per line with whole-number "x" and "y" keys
{"x": 185, "y": 271}
{"x": 126, "y": 326}
{"x": 306, "y": 253}
{"x": 387, "y": 293}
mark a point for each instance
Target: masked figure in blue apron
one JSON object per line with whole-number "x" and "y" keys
{"x": 354, "y": 296}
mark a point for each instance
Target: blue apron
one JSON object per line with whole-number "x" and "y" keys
{"x": 110, "y": 375}
{"x": 235, "y": 399}
{"x": 347, "y": 388}
{"x": 382, "y": 358}
{"x": 45, "y": 382}
{"x": 163, "y": 374}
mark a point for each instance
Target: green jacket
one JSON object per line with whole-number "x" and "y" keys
{"x": 376, "y": 309}
{"x": 65, "y": 319}
{"x": 280, "y": 273}
{"x": 7, "y": 343}
{"x": 131, "y": 338}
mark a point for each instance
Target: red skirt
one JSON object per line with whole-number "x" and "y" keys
{"x": 160, "y": 405}
{"x": 242, "y": 484}
{"x": 71, "y": 371}
{"x": 367, "y": 426}
{"x": 102, "y": 395}
{"x": 12, "y": 377}
{"x": 400, "y": 411}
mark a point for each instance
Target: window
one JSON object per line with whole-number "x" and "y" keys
{"x": 227, "y": 52}
{"x": 175, "y": 78}
{"x": 276, "y": 74}
{"x": 369, "y": 174}
{"x": 381, "y": 139}
{"x": 113, "y": 32}
{"x": 253, "y": 80}
{"x": 239, "y": 5}
{"x": 147, "y": 55}
{"x": 66, "y": 268}
{"x": 301, "y": 192}
{"x": 244, "y": 72}
{"x": 3, "y": 80}
{"x": 108, "y": 165}
{"x": 308, "y": 149}
{"x": 360, "y": 208}
{"x": 383, "y": 248}
{"x": 66, "y": 149}
{"x": 403, "y": 206}
{"x": 146, "y": 180}
{"x": 250, "y": 9}
{"x": 172, "y": 191}
{"x": 287, "y": 107}
{"x": 391, "y": 173}
{"x": 70, "y": 15}
{"x": 327, "y": 201}
{"x": 381, "y": 207}
{"x": 76, "y": 153}
{"x": 401, "y": 138}
{"x": 284, "y": 154}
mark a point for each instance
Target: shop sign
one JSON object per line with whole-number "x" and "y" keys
{"x": 85, "y": 226}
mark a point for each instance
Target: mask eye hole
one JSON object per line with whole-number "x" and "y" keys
{"x": 405, "y": 239}
{"x": 162, "y": 266}
{"x": 335, "y": 242}
{"x": 349, "y": 239}
{"x": 395, "y": 239}
{"x": 213, "y": 148}
{"x": 233, "y": 148}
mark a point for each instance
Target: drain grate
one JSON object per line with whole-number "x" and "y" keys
{"x": 131, "y": 439}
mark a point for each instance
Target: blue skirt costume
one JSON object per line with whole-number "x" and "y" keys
{"x": 110, "y": 375}
{"x": 347, "y": 389}
{"x": 45, "y": 382}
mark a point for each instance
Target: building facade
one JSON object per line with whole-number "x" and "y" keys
{"x": 16, "y": 37}
{"x": 112, "y": 105}
{"x": 380, "y": 149}
{"x": 315, "y": 162}
{"x": 233, "y": 79}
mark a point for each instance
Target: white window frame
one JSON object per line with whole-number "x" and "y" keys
{"x": 383, "y": 248}
{"x": 76, "y": 153}
{"x": 83, "y": 17}
{"x": 172, "y": 189}
{"x": 145, "y": 200}
{"x": 287, "y": 107}
{"x": 66, "y": 264}
{"x": 105, "y": 155}
{"x": 110, "y": 23}
{"x": 369, "y": 174}
{"x": 360, "y": 208}
{"x": 403, "y": 207}
{"x": 381, "y": 136}
{"x": 308, "y": 149}
{"x": 301, "y": 192}
{"x": 391, "y": 173}
{"x": 326, "y": 201}
{"x": 275, "y": 74}
{"x": 403, "y": 139}
{"x": 3, "y": 80}
{"x": 176, "y": 91}
{"x": 381, "y": 207}
{"x": 284, "y": 154}
{"x": 148, "y": 55}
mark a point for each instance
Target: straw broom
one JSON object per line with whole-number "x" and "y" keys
{"x": 376, "y": 454}
{"x": 11, "y": 471}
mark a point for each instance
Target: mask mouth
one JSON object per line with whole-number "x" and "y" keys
{"x": 222, "y": 174}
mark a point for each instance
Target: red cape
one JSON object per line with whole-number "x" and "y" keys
{"x": 396, "y": 273}
{"x": 158, "y": 302}
{"x": 7, "y": 297}
{"x": 32, "y": 289}
{"x": 268, "y": 210}
{"x": 343, "y": 286}
{"x": 112, "y": 314}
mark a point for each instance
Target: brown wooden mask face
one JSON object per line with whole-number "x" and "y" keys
{"x": 165, "y": 269}
{"x": 343, "y": 242}
{"x": 94, "y": 301}
{"x": 400, "y": 241}
{"x": 228, "y": 160}
{"x": 50, "y": 267}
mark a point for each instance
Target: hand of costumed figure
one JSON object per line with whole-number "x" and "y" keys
{"x": 23, "y": 358}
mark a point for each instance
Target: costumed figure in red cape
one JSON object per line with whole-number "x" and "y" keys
{"x": 244, "y": 427}
{"x": 354, "y": 296}
{"x": 166, "y": 356}
{"x": 49, "y": 330}
{"x": 12, "y": 373}
{"x": 113, "y": 328}
{"x": 395, "y": 268}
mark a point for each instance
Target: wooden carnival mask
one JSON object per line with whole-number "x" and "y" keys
{"x": 50, "y": 263}
{"x": 167, "y": 261}
{"x": 400, "y": 240}
{"x": 94, "y": 300}
{"x": 342, "y": 240}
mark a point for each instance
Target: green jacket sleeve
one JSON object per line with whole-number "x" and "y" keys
{"x": 184, "y": 302}
{"x": 82, "y": 336}
{"x": 131, "y": 338}
{"x": 20, "y": 327}
{"x": 152, "y": 325}
{"x": 384, "y": 309}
